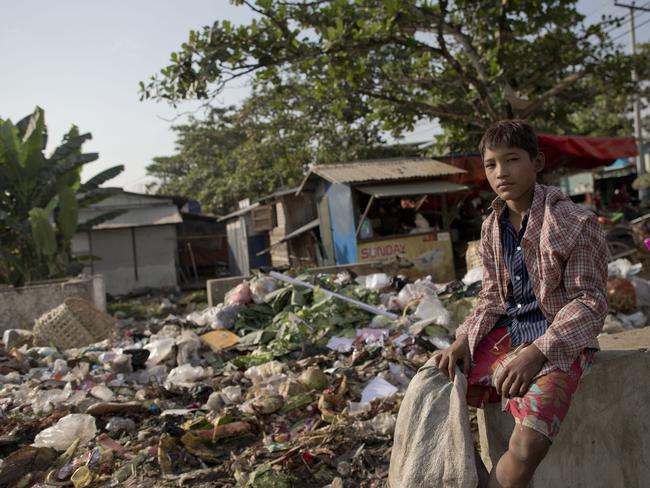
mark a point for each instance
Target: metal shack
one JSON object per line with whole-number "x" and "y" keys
{"x": 277, "y": 230}
{"x": 136, "y": 249}
{"x": 375, "y": 211}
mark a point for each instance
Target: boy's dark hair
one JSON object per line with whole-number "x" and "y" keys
{"x": 512, "y": 133}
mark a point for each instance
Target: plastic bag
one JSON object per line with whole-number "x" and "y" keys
{"x": 472, "y": 276}
{"x": 400, "y": 374}
{"x": 390, "y": 301}
{"x": 240, "y": 295}
{"x": 432, "y": 308}
{"x": 377, "y": 388}
{"x": 61, "y": 435}
{"x": 260, "y": 287}
{"x": 623, "y": 268}
{"x": 152, "y": 374}
{"x": 220, "y": 317}
{"x": 413, "y": 292}
{"x": 375, "y": 281}
{"x": 343, "y": 278}
{"x": 262, "y": 373}
{"x": 231, "y": 395}
{"x": 634, "y": 320}
{"x": 160, "y": 350}
{"x": 44, "y": 401}
{"x": 613, "y": 325}
{"x": 642, "y": 288}
{"x": 383, "y": 424}
{"x": 184, "y": 376}
{"x": 188, "y": 348}
{"x": 440, "y": 342}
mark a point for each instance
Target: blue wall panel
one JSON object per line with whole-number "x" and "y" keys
{"x": 257, "y": 243}
{"x": 342, "y": 222}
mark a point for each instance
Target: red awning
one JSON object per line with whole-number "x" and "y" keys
{"x": 576, "y": 152}
{"x": 584, "y": 152}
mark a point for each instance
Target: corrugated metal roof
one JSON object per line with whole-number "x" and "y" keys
{"x": 384, "y": 169}
{"x": 411, "y": 188}
{"x": 371, "y": 171}
{"x": 136, "y": 217}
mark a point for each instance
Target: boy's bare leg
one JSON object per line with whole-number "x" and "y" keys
{"x": 516, "y": 467}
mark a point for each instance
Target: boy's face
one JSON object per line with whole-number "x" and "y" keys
{"x": 510, "y": 171}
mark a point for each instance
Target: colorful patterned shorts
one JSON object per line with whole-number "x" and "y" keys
{"x": 547, "y": 400}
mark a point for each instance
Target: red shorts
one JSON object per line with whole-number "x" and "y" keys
{"x": 544, "y": 405}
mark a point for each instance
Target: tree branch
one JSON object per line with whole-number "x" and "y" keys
{"x": 435, "y": 111}
{"x": 548, "y": 94}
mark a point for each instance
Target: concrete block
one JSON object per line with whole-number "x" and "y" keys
{"x": 217, "y": 289}
{"x": 605, "y": 439}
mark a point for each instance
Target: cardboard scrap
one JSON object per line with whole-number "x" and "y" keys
{"x": 220, "y": 339}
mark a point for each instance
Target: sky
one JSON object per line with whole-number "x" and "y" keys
{"x": 82, "y": 60}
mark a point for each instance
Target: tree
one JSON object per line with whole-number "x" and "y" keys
{"x": 464, "y": 63}
{"x": 40, "y": 197}
{"x": 262, "y": 146}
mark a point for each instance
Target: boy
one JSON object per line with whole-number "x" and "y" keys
{"x": 544, "y": 294}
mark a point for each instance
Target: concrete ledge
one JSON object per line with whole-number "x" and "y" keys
{"x": 20, "y": 307}
{"x": 605, "y": 439}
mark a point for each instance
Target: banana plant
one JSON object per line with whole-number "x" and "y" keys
{"x": 40, "y": 198}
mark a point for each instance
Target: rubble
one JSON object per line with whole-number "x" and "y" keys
{"x": 294, "y": 386}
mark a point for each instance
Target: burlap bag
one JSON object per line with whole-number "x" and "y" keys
{"x": 433, "y": 441}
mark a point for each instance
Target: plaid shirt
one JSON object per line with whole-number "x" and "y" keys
{"x": 566, "y": 256}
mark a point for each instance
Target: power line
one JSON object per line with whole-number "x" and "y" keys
{"x": 624, "y": 19}
{"x": 627, "y": 32}
{"x": 632, "y": 6}
{"x": 605, "y": 3}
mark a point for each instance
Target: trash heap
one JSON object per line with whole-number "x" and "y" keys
{"x": 283, "y": 384}
{"x": 291, "y": 381}
{"x": 628, "y": 296}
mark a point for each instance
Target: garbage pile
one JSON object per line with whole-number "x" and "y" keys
{"x": 288, "y": 382}
{"x": 291, "y": 381}
{"x": 628, "y": 296}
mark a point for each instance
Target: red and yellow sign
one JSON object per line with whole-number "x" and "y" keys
{"x": 430, "y": 254}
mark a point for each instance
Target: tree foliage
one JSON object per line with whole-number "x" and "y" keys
{"x": 260, "y": 147}
{"x": 40, "y": 197}
{"x": 463, "y": 63}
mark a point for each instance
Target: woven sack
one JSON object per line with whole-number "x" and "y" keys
{"x": 74, "y": 323}
{"x": 432, "y": 445}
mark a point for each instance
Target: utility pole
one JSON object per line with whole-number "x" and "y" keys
{"x": 638, "y": 135}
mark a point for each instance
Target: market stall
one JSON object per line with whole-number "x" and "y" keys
{"x": 373, "y": 211}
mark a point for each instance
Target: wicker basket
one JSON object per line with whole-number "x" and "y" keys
{"x": 74, "y": 323}
{"x": 472, "y": 256}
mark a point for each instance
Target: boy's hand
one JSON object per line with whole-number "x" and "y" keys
{"x": 514, "y": 378}
{"x": 459, "y": 350}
